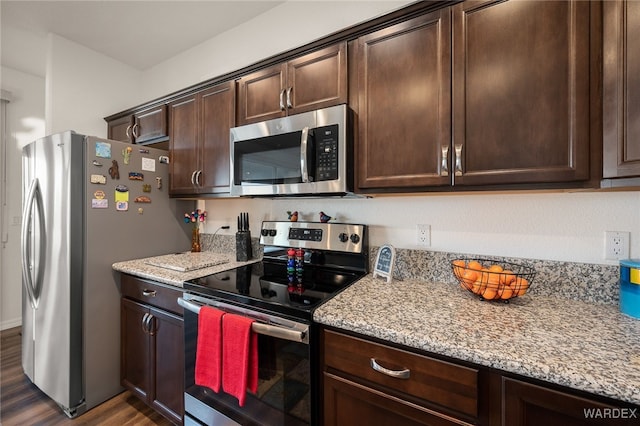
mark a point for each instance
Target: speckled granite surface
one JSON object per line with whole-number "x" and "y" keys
{"x": 586, "y": 282}
{"x": 586, "y": 346}
{"x": 142, "y": 268}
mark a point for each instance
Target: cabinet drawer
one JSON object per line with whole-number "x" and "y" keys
{"x": 151, "y": 293}
{"x": 444, "y": 384}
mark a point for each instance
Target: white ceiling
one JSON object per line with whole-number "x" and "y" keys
{"x": 138, "y": 33}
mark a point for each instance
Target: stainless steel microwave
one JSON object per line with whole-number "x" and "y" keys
{"x": 303, "y": 154}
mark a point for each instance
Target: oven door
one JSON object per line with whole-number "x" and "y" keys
{"x": 287, "y": 376}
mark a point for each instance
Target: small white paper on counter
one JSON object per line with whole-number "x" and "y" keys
{"x": 148, "y": 164}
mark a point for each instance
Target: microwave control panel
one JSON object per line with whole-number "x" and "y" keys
{"x": 326, "y": 139}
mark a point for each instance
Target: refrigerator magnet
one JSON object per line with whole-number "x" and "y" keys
{"x": 142, "y": 199}
{"x": 126, "y": 154}
{"x": 96, "y": 163}
{"x": 114, "y": 172}
{"x": 103, "y": 149}
{"x": 148, "y": 164}
{"x": 159, "y": 182}
{"x": 99, "y": 203}
{"x": 164, "y": 159}
{"x": 136, "y": 176}
{"x": 99, "y": 195}
{"x": 122, "y": 198}
{"x": 146, "y": 187}
{"x": 99, "y": 179}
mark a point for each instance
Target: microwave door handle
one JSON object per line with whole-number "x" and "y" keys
{"x": 304, "y": 164}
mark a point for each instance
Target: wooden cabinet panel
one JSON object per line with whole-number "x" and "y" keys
{"x": 621, "y": 89}
{"x": 521, "y": 91}
{"x": 183, "y": 145}
{"x": 134, "y": 373}
{"x": 120, "y": 128}
{"x": 316, "y": 80}
{"x": 525, "y": 404}
{"x": 217, "y": 119}
{"x": 199, "y": 125}
{"x": 167, "y": 364}
{"x": 150, "y": 124}
{"x": 450, "y": 386}
{"x": 348, "y": 403}
{"x": 152, "y": 345}
{"x": 404, "y": 115}
{"x": 261, "y": 95}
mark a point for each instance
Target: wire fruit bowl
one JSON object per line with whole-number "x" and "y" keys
{"x": 493, "y": 280}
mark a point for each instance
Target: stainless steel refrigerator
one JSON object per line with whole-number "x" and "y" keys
{"x": 87, "y": 203}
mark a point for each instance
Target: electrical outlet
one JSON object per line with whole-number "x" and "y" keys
{"x": 616, "y": 245}
{"x": 423, "y": 235}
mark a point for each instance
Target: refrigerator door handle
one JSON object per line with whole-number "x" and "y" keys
{"x": 34, "y": 198}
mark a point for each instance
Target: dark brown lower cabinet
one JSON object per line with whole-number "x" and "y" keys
{"x": 526, "y": 404}
{"x": 152, "y": 346}
{"x": 367, "y": 382}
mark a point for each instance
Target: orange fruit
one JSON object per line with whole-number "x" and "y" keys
{"x": 495, "y": 268}
{"x": 520, "y": 286}
{"x": 507, "y": 277}
{"x": 474, "y": 264}
{"x": 507, "y": 292}
{"x": 469, "y": 277}
{"x": 490, "y": 293}
{"x": 493, "y": 280}
{"x": 458, "y": 267}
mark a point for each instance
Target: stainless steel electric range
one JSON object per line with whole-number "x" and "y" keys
{"x": 304, "y": 264}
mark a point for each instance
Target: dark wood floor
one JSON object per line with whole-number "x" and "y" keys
{"x": 22, "y": 403}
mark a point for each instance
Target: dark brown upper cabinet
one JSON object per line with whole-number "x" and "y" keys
{"x": 521, "y": 92}
{"x": 142, "y": 127}
{"x": 478, "y": 95}
{"x": 316, "y": 80}
{"x": 199, "y": 125}
{"x": 403, "y": 98}
{"x": 621, "y": 90}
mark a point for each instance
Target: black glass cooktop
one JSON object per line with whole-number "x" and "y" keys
{"x": 268, "y": 285}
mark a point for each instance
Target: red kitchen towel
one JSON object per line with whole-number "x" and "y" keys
{"x": 239, "y": 357}
{"x": 209, "y": 348}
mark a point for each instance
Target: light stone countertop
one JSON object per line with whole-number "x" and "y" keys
{"x": 141, "y": 268}
{"x": 591, "y": 347}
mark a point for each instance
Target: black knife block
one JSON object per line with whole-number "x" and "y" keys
{"x": 243, "y": 246}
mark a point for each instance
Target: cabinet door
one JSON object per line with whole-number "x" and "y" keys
{"x": 404, "y": 104}
{"x": 183, "y": 125}
{"x": 261, "y": 95}
{"x": 135, "y": 355}
{"x": 317, "y": 80}
{"x": 525, "y": 404}
{"x": 167, "y": 364}
{"x": 217, "y": 107}
{"x": 150, "y": 124}
{"x": 521, "y": 91}
{"x": 621, "y": 90}
{"x": 347, "y": 403}
{"x": 120, "y": 129}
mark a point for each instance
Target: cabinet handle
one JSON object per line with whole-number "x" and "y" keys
{"x": 144, "y": 323}
{"x": 282, "y": 100}
{"x": 193, "y": 178}
{"x": 149, "y": 293}
{"x": 289, "y": 104}
{"x": 133, "y": 130}
{"x": 151, "y": 325}
{"x": 126, "y": 132}
{"x": 458, "y": 166}
{"x": 397, "y": 374}
{"x": 444, "y": 168}
{"x": 199, "y": 172}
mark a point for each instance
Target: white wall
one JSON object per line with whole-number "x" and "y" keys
{"x": 290, "y": 25}
{"x": 549, "y": 226}
{"x": 84, "y": 86}
{"x": 25, "y": 123}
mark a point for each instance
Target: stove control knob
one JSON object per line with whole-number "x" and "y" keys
{"x": 264, "y": 232}
{"x": 343, "y": 237}
{"x": 272, "y": 232}
{"x": 355, "y": 238}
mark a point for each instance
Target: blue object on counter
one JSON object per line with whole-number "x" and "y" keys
{"x": 630, "y": 287}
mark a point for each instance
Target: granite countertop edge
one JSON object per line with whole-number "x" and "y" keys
{"x": 140, "y": 268}
{"x": 589, "y": 347}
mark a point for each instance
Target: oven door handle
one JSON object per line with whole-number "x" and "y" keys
{"x": 300, "y": 336}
